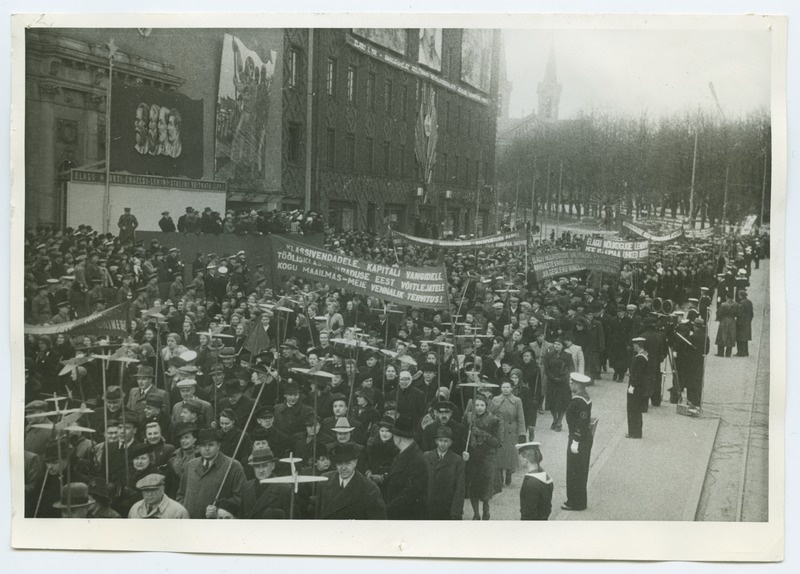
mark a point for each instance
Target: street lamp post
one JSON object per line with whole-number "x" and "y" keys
{"x": 112, "y": 52}
{"x": 691, "y": 191}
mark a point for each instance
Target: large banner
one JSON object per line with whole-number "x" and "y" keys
{"x": 617, "y": 248}
{"x": 415, "y": 286}
{"x": 549, "y": 265}
{"x": 248, "y": 123}
{"x": 476, "y": 58}
{"x": 155, "y": 131}
{"x": 747, "y": 225}
{"x": 112, "y": 322}
{"x": 502, "y": 240}
{"x": 396, "y": 39}
{"x": 426, "y": 136}
{"x": 430, "y": 48}
{"x": 639, "y": 232}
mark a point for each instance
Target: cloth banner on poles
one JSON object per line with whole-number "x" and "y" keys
{"x": 639, "y": 232}
{"x": 416, "y": 286}
{"x": 112, "y": 322}
{"x": 617, "y": 248}
{"x": 548, "y": 265}
{"x": 699, "y": 233}
{"x": 747, "y": 225}
{"x": 514, "y": 239}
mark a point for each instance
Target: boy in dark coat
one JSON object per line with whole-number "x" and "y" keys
{"x": 445, "y": 478}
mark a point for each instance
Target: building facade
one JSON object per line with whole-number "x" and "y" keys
{"x": 357, "y": 108}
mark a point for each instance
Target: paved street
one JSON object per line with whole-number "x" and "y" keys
{"x": 664, "y": 477}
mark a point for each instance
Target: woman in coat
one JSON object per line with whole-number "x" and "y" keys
{"x": 481, "y": 456}
{"x": 558, "y": 365}
{"x": 727, "y": 313}
{"x": 508, "y": 408}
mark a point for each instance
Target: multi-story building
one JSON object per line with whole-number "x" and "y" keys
{"x": 351, "y": 113}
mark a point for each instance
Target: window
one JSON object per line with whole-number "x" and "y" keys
{"x": 447, "y": 115}
{"x": 468, "y": 121}
{"x": 404, "y": 101}
{"x": 387, "y": 97}
{"x": 330, "y": 147}
{"x": 351, "y": 84}
{"x": 371, "y": 91}
{"x": 350, "y": 151}
{"x": 370, "y": 153}
{"x": 458, "y": 118}
{"x": 443, "y": 175}
{"x": 331, "y": 85}
{"x": 401, "y": 162}
{"x": 386, "y": 150}
{"x": 294, "y": 63}
{"x": 295, "y": 142}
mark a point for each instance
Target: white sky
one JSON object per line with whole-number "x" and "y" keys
{"x": 629, "y": 71}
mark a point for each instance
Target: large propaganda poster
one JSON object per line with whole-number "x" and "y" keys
{"x": 248, "y": 129}
{"x": 395, "y": 39}
{"x": 476, "y": 58}
{"x": 430, "y": 48}
{"x": 155, "y": 132}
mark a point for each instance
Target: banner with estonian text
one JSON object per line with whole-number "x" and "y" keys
{"x": 504, "y": 240}
{"x": 639, "y": 232}
{"x": 549, "y": 265}
{"x": 112, "y": 322}
{"x": 617, "y": 248}
{"x": 414, "y": 286}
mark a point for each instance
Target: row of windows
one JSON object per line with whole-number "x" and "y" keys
{"x": 460, "y": 118}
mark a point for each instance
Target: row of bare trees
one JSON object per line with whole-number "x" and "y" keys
{"x": 604, "y": 165}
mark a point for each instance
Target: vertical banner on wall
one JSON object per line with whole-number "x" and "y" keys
{"x": 155, "y": 132}
{"x": 430, "y": 48}
{"x": 248, "y": 121}
{"x": 476, "y": 58}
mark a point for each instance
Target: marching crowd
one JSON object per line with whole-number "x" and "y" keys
{"x": 225, "y": 390}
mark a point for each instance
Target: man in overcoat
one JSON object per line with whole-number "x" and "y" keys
{"x": 407, "y": 483}
{"x": 348, "y": 494}
{"x": 744, "y": 320}
{"x": 445, "y": 478}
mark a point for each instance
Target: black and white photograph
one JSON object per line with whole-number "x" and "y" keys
{"x": 500, "y": 269}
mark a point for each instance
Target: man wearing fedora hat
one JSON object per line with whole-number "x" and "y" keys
{"x": 348, "y": 494}
{"x": 203, "y": 476}
{"x": 137, "y": 398}
{"x": 340, "y": 411}
{"x": 155, "y": 503}
{"x": 75, "y": 500}
{"x": 407, "y": 482}
{"x": 264, "y": 501}
{"x": 290, "y": 415}
{"x": 445, "y": 497}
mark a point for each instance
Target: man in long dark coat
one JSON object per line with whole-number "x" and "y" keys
{"x": 656, "y": 346}
{"x": 445, "y": 478}
{"x": 407, "y": 483}
{"x": 348, "y": 494}
{"x": 744, "y": 320}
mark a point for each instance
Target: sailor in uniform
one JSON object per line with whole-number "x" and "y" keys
{"x": 536, "y": 492}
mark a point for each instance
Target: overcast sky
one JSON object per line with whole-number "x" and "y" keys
{"x": 629, "y": 72}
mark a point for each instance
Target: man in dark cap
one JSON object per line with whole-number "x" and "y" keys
{"x": 166, "y": 224}
{"x": 637, "y": 385}
{"x": 203, "y": 476}
{"x": 443, "y": 411}
{"x": 348, "y": 494}
{"x": 127, "y": 226}
{"x": 266, "y": 430}
{"x": 407, "y": 482}
{"x": 236, "y": 401}
{"x": 655, "y": 344}
{"x": 445, "y": 497}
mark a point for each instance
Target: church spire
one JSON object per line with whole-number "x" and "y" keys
{"x": 549, "y": 89}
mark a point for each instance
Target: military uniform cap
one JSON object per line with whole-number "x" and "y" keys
{"x": 526, "y": 446}
{"x": 579, "y": 378}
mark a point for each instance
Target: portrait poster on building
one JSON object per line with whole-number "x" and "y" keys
{"x": 395, "y": 39}
{"x": 430, "y": 48}
{"x": 248, "y": 136}
{"x": 476, "y": 57}
{"x": 155, "y": 132}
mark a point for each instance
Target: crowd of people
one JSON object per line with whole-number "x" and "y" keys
{"x": 406, "y": 412}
